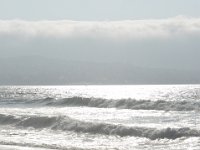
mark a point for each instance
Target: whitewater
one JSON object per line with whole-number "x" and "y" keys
{"x": 100, "y": 117}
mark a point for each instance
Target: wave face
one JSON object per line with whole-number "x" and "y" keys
{"x": 118, "y": 103}
{"x": 69, "y": 124}
{"x": 127, "y": 104}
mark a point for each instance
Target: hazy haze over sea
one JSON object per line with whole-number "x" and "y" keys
{"x": 63, "y": 52}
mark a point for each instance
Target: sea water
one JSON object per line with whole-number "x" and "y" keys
{"x": 113, "y": 117}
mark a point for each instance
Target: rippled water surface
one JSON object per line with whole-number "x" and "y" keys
{"x": 100, "y": 117}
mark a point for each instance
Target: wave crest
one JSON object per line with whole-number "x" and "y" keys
{"x": 110, "y": 103}
{"x": 69, "y": 124}
{"x": 124, "y": 104}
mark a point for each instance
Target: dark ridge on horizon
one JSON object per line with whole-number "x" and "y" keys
{"x": 47, "y": 71}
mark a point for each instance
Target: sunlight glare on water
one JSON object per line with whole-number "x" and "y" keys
{"x": 123, "y": 117}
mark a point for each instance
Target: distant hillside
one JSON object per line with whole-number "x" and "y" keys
{"x": 45, "y": 71}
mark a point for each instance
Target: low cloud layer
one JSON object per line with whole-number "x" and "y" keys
{"x": 110, "y": 52}
{"x": 167, "y": 43}
{"x": 121, "y": 30}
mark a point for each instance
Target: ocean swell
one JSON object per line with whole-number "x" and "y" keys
{"x": 70, "y": 124}
{"x": 123, "y": 104}
{"x": 108, "y": 103}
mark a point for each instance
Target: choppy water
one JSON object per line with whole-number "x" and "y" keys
{"x": 100, "y": 117}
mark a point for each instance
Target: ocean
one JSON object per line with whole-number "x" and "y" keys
{"x": 101, "y": 117}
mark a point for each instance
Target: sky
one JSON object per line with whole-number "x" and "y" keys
{"x": 161, "y": 34}
{"x": 97, "y": 9}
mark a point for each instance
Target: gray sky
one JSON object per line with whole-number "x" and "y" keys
{"x": 97, "y": 9}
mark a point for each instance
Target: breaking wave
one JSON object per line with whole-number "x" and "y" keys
{"x": 126, "y": 104}
{"x": 113, "y": 103}
{"x": 69, "y": 124}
